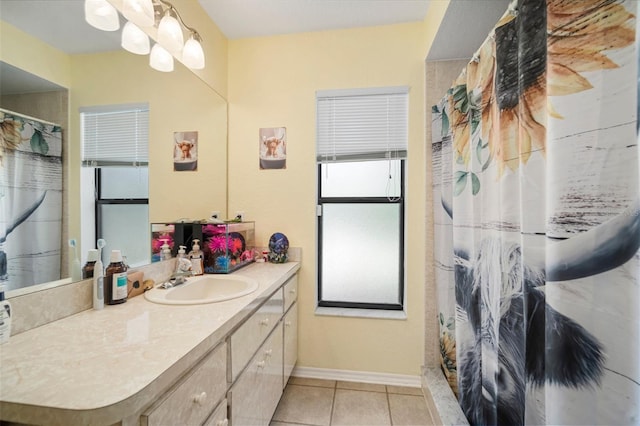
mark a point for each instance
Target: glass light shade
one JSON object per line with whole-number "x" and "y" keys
{"x": 139, "y": 11}
{"x": 170, "y": 34}
{"x": 192, "y": 54}
{"x": 160, "y": 59}
{"x": 101, "y": 15}
{"x": 134, "y": 39}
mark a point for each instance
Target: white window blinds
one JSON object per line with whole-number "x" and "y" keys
{"x": 115, "y": 135}
{"x": 362, "y": 124}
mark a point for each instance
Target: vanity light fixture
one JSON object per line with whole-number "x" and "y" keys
{"x": 139, "y": 12}
{"x": 192, "y": 53}
{"x": 160, "y": 59}
{"x": 101, "y": 15}
{"x": 134, "y": 39}
{"x": 142, "y": 14}
{"x": 170, "y": 32}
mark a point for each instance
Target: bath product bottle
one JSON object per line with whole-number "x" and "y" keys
{"x": 98, "y": 284}
{"x": 5, "y": 318}
{"x": 197, "y": 258}
{"x": 87, "y": 269}
{"x": 182, "y": 254}
{"x": 115, "y": 280}
{"x": 165, "y": 252}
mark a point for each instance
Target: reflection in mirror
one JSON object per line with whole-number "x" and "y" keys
{"x": 33, "y": 113}
{"x": 177, "y": 101}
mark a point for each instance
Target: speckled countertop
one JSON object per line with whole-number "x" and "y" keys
{"x": 98, "y": 367}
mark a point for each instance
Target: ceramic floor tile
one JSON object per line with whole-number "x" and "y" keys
{"x": 361, "y": 386}
{"x": 360, "y": 408}
{"x": 312, "y": 382}
{"x": 309, "y": 405}
{"x": 286, "y": 424}
{"x": 408, "y": 410}
{"x": 404, "y": 390}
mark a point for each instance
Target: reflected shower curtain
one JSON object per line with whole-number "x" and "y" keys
{"x": 30, "y": 200}
{"x": 537, "y": 218}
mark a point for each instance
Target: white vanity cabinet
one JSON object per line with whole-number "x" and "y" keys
{"x": 193, "y": 399}
{"x": 195, "y": 364}
{"x": 290, "y": 322}
{"x": 290, "y": 328}
{"x": 257, "y": 388}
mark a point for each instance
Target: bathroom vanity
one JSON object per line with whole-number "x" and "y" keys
{"x": 149, "y": 364}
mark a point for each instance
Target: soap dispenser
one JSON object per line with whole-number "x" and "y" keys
{"x": 182, "y": 254}
{"x": 165, "y": 252}
{"x": 196, "y": 257}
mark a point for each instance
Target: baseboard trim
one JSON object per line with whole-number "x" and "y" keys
{"x": 358, "y": 376}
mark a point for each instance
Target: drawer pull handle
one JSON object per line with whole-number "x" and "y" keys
{"x": 264, "y": 321}
{"x": 224, "y": 422}
{"x": 199, "y": 399}
{"x": 292, "y": 291}
{"x": 261, "y": 364}
{"x": 268, "y": 353}
{"x": 287, "y": 324}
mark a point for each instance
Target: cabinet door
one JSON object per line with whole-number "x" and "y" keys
{"x": 290, "y": 291}
{"x": 273, "y": 374}
{"x": 193, "y": 398}
{"x": 250, "y": 335}
{"x": 290, "y": 322}
{"x": 255, "y": 394}
{"x": 219, "y": 416}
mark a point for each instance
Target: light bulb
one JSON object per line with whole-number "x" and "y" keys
{"x": 139, "y": 11}
{"x": 134, "y": 39}
{"x": 192, "y": 54}
{"x": 101, "y": 15}
{"x": 160, "y": 59}
{"x": 170, "y": 33}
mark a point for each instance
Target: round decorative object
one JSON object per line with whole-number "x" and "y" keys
{"x": 278, "y": 246}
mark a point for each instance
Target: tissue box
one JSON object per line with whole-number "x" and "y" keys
{"x": 227, "y": 247}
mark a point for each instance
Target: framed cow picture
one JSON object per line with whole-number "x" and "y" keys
{"x": 273, "y": 148}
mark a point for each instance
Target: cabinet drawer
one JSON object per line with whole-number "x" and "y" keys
{"x": 290, "y": 291}
{"x": 255, "y": 395}
{"x": 290, "y": 322}
{"x": 193, "y": 398}
{"x": 219, "y": 416}
{"x": 246, "y": 339}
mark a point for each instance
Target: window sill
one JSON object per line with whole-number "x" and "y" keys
{"x": 361, "y": 313}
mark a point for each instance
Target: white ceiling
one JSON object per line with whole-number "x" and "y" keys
{"x": 255, "y": 18}
{"x": 61, "y": 23}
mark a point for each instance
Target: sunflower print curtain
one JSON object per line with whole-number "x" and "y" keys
{"x": 537, "y": 218}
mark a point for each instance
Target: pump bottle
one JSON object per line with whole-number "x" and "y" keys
{"x": 197, "y": 258}
{"x": 115, "y": 280}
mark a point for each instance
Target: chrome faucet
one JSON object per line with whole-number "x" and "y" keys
{"x": 180, "y": 275}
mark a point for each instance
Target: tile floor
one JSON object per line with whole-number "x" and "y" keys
{"x": 330, "y": 403}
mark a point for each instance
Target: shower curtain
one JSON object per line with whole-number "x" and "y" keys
{"x": 30, "y": 200}
{"x": 537, "y": 218}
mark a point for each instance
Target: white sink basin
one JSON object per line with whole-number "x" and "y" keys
{"x": 204, "y": 289}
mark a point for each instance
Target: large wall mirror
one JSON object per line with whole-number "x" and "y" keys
{"x": 178, "y": 102}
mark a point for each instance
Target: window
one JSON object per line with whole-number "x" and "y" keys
{"x": 361, "y": 151}
{"x": 115, "y": 182}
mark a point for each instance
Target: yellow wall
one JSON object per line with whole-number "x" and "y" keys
{"x": 32, "y": 55}
{"x": 178, "y": 101}
{"x": 272, "y": 83}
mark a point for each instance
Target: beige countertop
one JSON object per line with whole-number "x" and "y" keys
{"x": 99, "y": 367}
